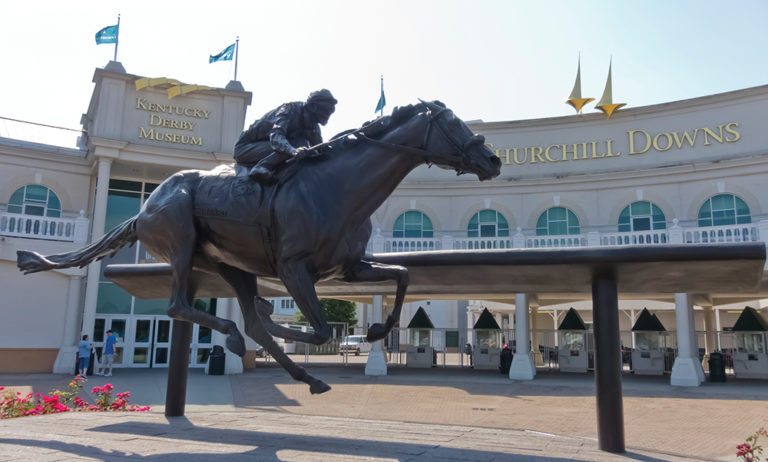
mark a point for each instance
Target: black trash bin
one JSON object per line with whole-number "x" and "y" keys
{"x": 716, "y": 367}
{"x": 216, "y": 361}
{"x": 506, "y": 360}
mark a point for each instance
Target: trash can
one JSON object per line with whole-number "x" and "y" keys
{"x": 716, "y": 367}
{"x": 506, "y": 360}
{"x": 216, "y": 361}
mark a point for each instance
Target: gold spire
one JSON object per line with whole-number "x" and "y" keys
{"x": 606, "y": 102}
{"x": 575, "y": 99}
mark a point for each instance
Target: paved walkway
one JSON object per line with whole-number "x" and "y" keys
{"x": 435, "y": 414}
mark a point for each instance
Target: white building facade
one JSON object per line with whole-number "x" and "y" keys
{"x": 691, "y": 171}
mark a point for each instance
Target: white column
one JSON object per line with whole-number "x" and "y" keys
{"x": 522, "y": 363}
{"x": 65, "y": 359}
{"x": 233, "y": 364}
{"x": 94, "y": 269}
{"x": 377, "y": 364}
{"x": 718, "y": 327}
{"x": 687, "y": 371}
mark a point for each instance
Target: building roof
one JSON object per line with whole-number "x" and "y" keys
{"x": 648, "y": 322}
{"x": 486, "y": 321}
{"x": 750, "y": 321}
{"x": 572, "y": 321}
{"x": 421, "y": 320}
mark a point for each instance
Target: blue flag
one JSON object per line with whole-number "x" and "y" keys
{"x": 225, "y": 55}
{"x": 107, "y": 35}
{"x": 382, "y": 100}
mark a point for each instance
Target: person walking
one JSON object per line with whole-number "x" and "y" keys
{"x": 84, "y": 356}
{"x": 109, "y": 354}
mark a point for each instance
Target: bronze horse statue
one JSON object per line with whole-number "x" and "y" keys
{"x": 312, "y": 225}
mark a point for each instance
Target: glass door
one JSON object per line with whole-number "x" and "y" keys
{"x": 140, "y": 347}
{"x": 117, "y": 326}
{"x": 161, "y": 351}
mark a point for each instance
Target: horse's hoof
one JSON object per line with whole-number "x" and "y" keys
{"x": 236, "y": 344}
{"x": 318, "y": 387}
{"x": 376, "y": 332}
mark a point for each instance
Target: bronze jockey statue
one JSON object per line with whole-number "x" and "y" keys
{"x": 286, "y": 132}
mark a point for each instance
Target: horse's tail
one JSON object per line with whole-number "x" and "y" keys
{"x": 117, "y": 238}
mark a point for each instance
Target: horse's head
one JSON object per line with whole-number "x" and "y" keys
{"x": 450, "y": 144}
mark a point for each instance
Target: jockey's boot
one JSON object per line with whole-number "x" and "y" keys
{"x": 261, "y": 174}
{"x": 263, "y": 171}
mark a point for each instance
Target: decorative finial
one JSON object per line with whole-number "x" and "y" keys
{"x": 606, "y": 102}
{"x": 575, "y": 99}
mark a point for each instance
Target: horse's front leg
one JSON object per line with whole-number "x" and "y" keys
{"x": 255, "y": 318}
{"x": 365, "y": 271}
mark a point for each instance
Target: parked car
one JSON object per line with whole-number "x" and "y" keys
{"x": 354, "y": 344}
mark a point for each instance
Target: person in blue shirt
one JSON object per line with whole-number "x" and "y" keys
{"x": 108, "y": 357}
{"x": 84, "y": 355}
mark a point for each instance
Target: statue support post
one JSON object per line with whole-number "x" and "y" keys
{"x": 610, "y": 408}
{"x": 178, "y": 369}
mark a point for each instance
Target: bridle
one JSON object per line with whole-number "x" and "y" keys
{"x": 423, "y": 151}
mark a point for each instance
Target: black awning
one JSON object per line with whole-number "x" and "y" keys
{"x": 421, "y": 320}
{"x": 572, "y": 321}
{"x": 486, "y": 321}
{"x": 648, "y": 322}
{"x": 750, "y": 321}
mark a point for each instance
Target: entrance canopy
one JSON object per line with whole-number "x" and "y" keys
{"x": 721, "y": 270}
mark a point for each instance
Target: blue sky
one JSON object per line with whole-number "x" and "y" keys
{"x": 490, "y": 60}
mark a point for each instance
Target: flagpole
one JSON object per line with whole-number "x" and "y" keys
{"x": 117, "y": 36}
{"x": 381, "y": 111}
{"x": 237, "y": 50}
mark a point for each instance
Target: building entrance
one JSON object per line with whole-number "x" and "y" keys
{"x": 144, "y": 341}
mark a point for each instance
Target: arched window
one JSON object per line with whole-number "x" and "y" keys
{"x": 557, "y": 221}
{"x": 641, "y": 216}
{"x": 412, "y": 224}
{"x": 36, "y": 200}
{"x": 488, "y": 223}
{"x": 724, "y": 209}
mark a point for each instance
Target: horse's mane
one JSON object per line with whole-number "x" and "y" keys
{"x": 381, "y": 125}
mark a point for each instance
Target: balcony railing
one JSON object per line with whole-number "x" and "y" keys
{"x": 48, "y": 228}
{"x": 750, "y": 232}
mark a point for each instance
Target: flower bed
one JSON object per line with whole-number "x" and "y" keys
{"x": 16, "y": 405}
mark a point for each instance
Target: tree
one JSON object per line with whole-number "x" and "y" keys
{"x": 334, "y": 311}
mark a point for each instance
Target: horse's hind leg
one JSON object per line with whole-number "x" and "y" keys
{"x": 366, "y": 271}
{"x": 169, "y": 229}
{"x": 247, "y": 293}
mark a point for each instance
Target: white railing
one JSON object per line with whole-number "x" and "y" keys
{"x": 675, "y": 234}
{"x": 660, "y": 236}
{"x": 734, "y": 233}
{"x": 570, "y": 240}
{"x": 465, "y": 243}
{"x": 48, "y": 228}
{"x": 411, "y": 244}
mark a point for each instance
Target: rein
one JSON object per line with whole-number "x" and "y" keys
{"x": 422, "y": 151}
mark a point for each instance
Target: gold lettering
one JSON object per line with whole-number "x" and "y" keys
{"x": 514, "y": 156}
{"x": 656, "y": 142}
{"x": 731, "y": 128}
{"x": 708, "y": 133}
{"x": 594, "y": 152}
{"x": 631, "y": 134}
{"x": 206, "y": 113}
{"x": 565, "y": 150}
{"x": 155, "y": 120}
{"x": 546, "y": 152}
{"x": 691, "y": 139}
{"x": 536, "y": 152}
{"x": 608, "y": 144}
{"x": 146, "y": 134}
{"x": 141, "y": 104}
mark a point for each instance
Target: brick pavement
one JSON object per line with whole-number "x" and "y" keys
{"x": 436, "y": 414}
